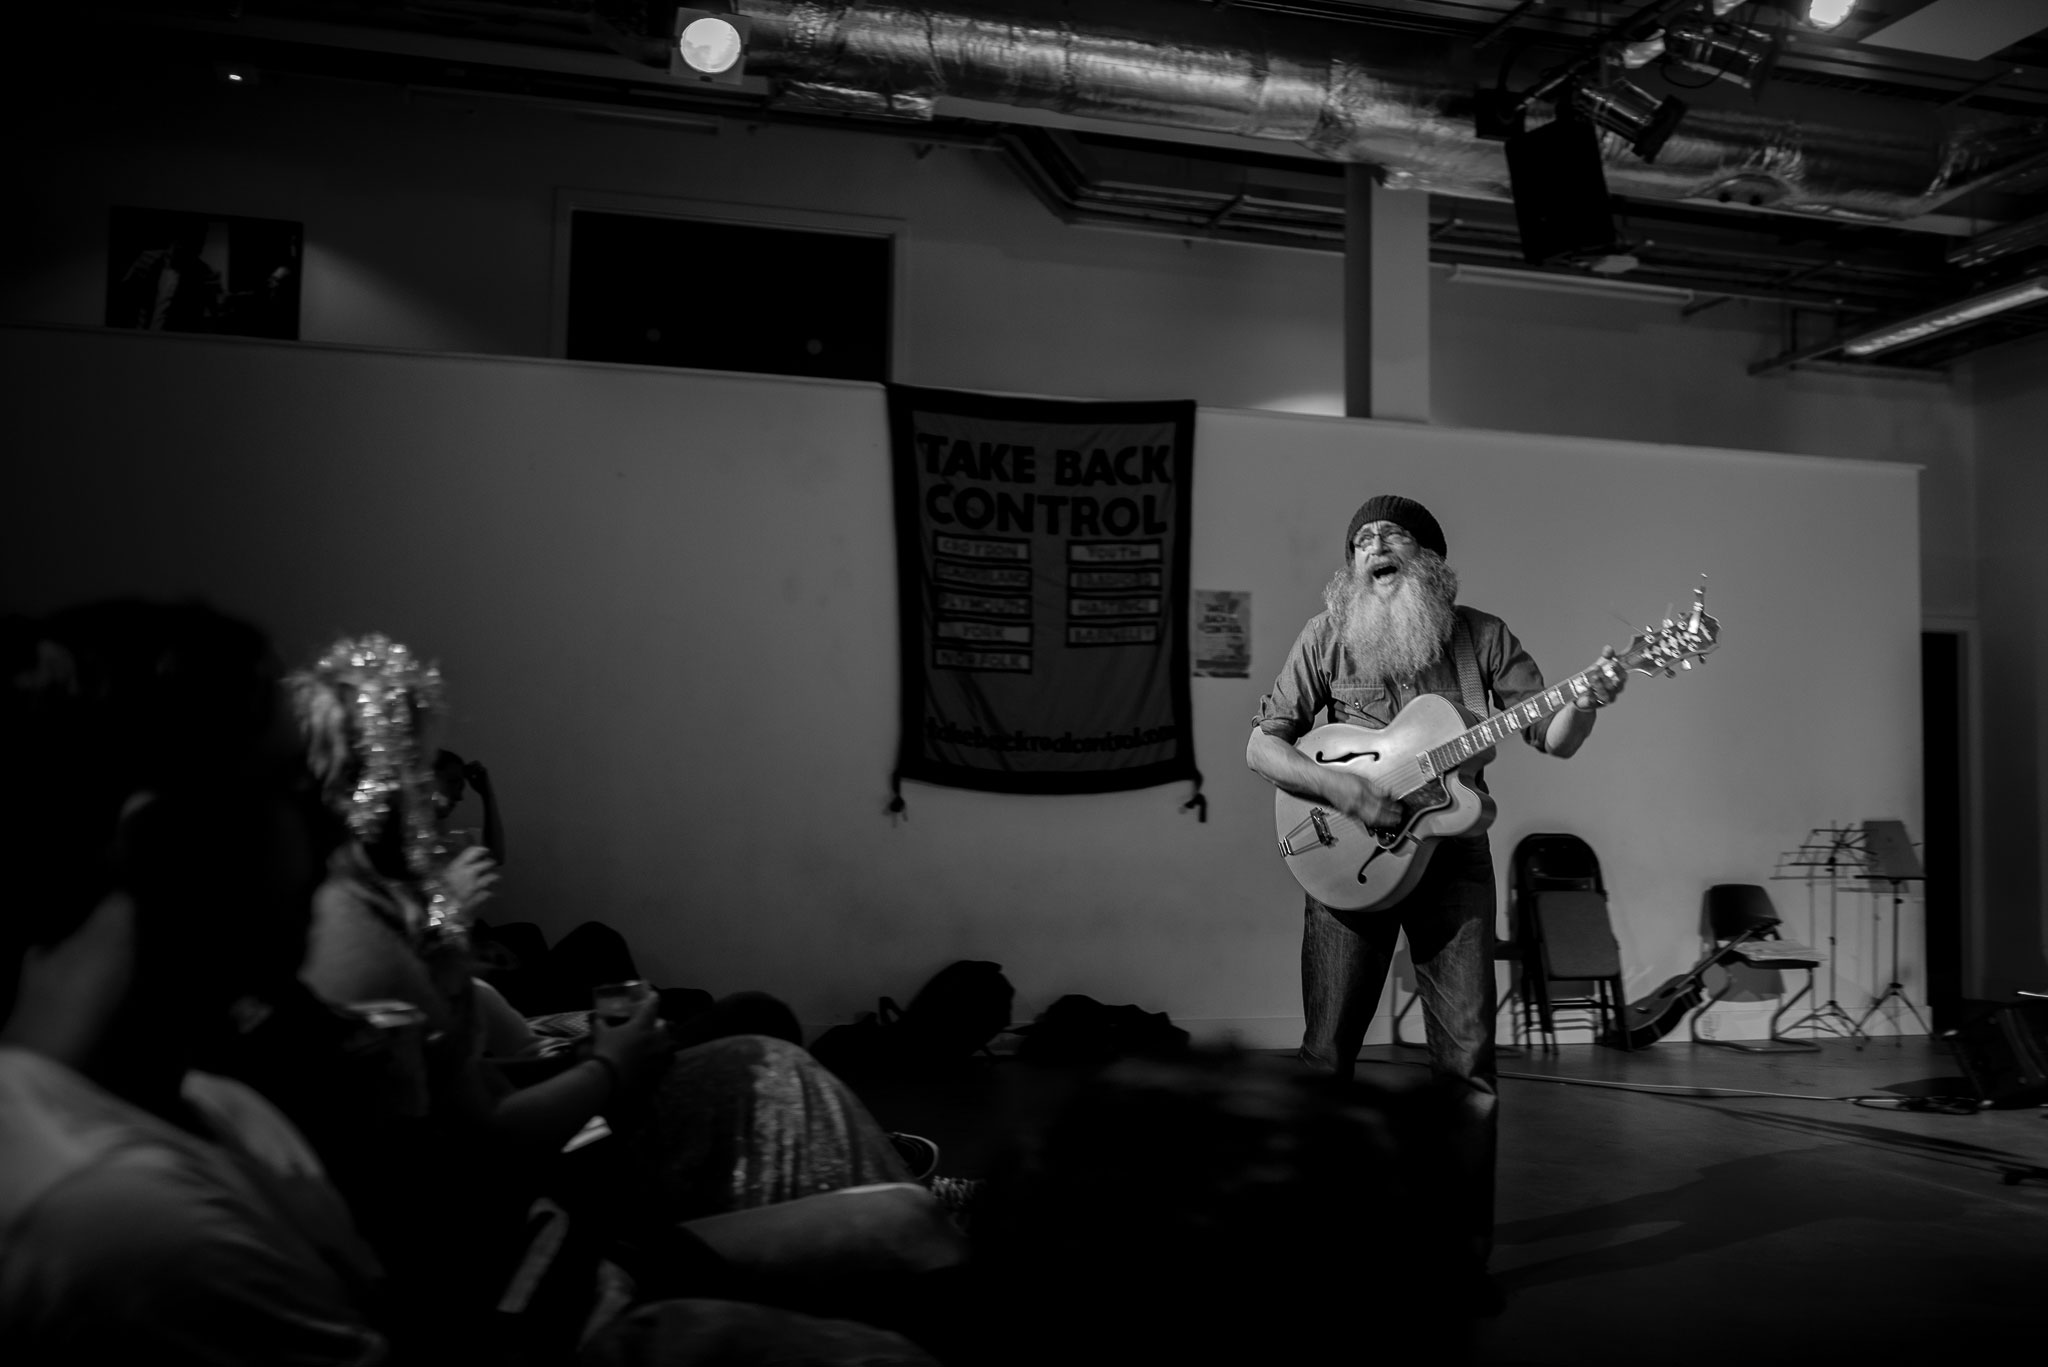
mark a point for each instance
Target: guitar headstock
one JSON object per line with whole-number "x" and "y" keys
{"x": 1674, "y": 646}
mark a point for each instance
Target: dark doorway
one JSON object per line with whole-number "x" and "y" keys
{"x": 728, "y": 296}
{"x": 1944, "y": 739}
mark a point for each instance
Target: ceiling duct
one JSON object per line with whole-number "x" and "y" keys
{"x": 1401, "y": 102}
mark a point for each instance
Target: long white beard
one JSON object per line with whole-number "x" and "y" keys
{"x": 1399, "y": 633}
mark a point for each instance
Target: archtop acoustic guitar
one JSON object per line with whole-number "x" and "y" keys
{"x": 1422, "y": 760}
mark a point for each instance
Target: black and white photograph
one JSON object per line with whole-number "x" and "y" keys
{"x": 1025, "y": 683}
{"x": 169, "y": 271}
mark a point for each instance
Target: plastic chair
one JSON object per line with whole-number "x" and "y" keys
{"x": 1743, "y": 922}
{"x": 1577, "y": 944}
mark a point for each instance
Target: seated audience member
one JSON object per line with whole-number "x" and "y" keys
{"x": 387, "y": 923}
{"x": 743, "y": 1123}
{"x": 162, "y": 847}
{"x": 453, "y": 777}
{"x": 560, "y": 980}
{"x": 1219, "y": 1208}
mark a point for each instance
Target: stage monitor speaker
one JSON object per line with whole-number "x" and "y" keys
{"x": 2004, "y": 1053}
{"x": 1560, "y": 190}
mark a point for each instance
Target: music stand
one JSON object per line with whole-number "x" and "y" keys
{"x": 1834, "y": 855}
{"x": 1890, "y": 859}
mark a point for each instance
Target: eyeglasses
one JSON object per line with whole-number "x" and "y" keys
{"x": 1393, "y": 538}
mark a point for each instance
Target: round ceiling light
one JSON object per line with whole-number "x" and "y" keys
{"x": 710, "y": 45}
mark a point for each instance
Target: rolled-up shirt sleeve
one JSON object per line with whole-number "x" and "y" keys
{"x": 1303, "y": 688}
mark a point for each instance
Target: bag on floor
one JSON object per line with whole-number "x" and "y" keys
{"x": 1081, "y": 1030}
{"x": 964, "y": 1006}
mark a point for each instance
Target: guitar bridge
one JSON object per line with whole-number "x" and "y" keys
{"x": 1319, "y": 823}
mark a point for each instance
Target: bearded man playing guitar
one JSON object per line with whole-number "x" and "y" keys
{"x": 1392, "y": 632}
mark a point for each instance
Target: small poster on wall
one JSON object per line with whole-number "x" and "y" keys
{"x": 170, "y": 271}
{"x": 1222, "y": 642}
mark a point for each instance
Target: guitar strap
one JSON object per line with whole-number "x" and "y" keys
{"x": 1467, "y": 657}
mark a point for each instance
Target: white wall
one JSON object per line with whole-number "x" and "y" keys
{"x": 429, "y": 226}
{"x": 665, "y": 604}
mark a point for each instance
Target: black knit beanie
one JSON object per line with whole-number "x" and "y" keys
{"x": 1404, "y": 513}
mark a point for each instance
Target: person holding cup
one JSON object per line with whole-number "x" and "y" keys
{"x": 742, "y": 1122}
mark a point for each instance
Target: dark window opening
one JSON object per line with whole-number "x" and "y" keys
{"x": 728, "y": 296}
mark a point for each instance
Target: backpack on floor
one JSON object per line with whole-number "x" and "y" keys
{"x": 1081, "y": 1030}
{"x": 964, "y": 1006}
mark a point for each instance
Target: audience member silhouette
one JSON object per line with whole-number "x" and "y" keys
{"x": 165, "y": 843}
{"x": 162, "y": 848}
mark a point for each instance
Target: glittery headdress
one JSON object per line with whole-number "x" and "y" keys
{"x": 367, "y": 698}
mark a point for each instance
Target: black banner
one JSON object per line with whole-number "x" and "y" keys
{"x": 1042, "y": 557}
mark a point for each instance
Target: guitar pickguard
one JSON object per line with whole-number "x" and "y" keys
{"x": 1430, "y": 797}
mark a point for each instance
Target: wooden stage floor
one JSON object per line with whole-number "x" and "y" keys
{"x": 1678, "y": 1228}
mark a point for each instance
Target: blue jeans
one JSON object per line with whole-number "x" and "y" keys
{"x": 1345, "y": 956}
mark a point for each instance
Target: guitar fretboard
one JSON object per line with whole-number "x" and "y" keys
{"x": 1496, "y": 729}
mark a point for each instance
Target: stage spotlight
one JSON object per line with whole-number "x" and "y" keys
{"x": 1641, "y": 52}
{"x": 1632, "y": 113}
{"x": 1825, "y": 14}
{"x": 709, "y": 47}
{"x": 1728, "y": 52}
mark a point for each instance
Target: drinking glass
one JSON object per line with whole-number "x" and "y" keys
{"x": 615, "y": 1003}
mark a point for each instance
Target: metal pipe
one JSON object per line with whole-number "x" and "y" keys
{"x": 1400, "y": 102}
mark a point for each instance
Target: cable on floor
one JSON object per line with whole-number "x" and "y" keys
{"x": 1934, "y": 1105}
{"x": 1705, "y": 1093}
{"x": 1876, "y": 1101}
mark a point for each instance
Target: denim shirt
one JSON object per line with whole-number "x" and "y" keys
{"x": 1321, "y": 675}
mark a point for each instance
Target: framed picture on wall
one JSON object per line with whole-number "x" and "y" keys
{"x": 170, "y": 271}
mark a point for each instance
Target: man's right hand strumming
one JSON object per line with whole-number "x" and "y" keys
{"x": 1355, "y": 796}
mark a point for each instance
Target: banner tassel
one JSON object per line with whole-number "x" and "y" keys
{"x": 1199, "y": 802}
{"x": 895, "y": 808}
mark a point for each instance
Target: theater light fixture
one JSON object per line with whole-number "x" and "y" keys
{"x": 1727, "y": 52}
{"x": 1825, "y": 14}
{"x": 1950, "y": 316}
{"x": 709, "y": 47}
{"x": 1641, "y": 52}
{"x": 1631, "y": 113}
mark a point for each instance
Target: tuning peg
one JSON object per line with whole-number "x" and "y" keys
{"x": 1685, "y": 664}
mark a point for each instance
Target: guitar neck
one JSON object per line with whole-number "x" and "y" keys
{"x": 1496, "y": 729}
